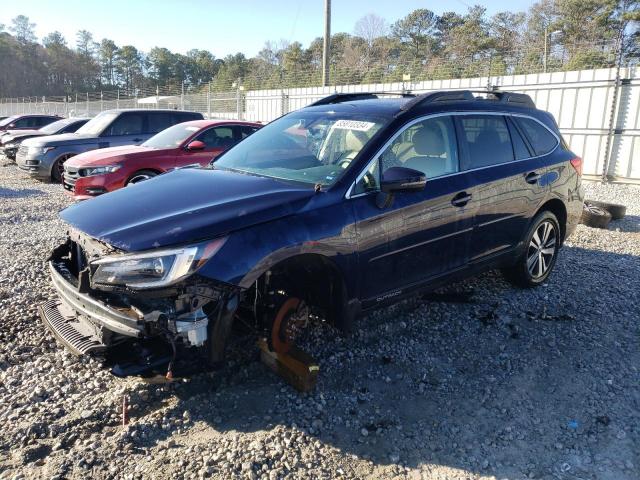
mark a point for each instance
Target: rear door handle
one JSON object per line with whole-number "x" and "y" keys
{"x": 532, "y": 177}
{"x": 461, "y": 199}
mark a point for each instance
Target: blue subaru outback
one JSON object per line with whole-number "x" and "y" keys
{"x": 349, "y": 204}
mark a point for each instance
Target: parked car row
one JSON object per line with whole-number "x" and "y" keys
{"x": 117, "y": 148}
{"x": 344, "y": 206}
{"x": 11, "y": 140}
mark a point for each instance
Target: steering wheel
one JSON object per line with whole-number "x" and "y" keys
{"x": 346, "y": 158}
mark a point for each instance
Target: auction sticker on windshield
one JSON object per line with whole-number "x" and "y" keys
{"x": 353, "y": 125}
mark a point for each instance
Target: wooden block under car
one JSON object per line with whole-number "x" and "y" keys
{"x": 299, "y": 369}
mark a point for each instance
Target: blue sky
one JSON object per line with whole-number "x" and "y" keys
{"x": 222, "y": 27}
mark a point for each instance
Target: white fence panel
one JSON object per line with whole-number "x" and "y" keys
{"x": 581, "y": 102}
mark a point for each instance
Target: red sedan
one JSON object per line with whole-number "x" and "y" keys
{"x": 190, "y": 143}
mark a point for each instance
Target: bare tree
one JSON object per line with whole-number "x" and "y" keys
{"x": 370, "y": 27}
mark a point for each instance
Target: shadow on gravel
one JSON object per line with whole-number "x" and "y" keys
{"x": 629, "y": 223}
{"x": 21, "y": 193}
{"x": 542, "y": 379}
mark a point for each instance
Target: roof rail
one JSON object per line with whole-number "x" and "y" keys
{"x": 519, "y": 99}
{"x": 438, "y": 96}
{"x": 346, "y": 97}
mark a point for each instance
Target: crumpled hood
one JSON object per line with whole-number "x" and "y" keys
{"x": 185, "y": 206}
{"x": 62, "y": 139}
{"x": 108, "y": 156}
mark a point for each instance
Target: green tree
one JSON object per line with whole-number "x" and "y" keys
{"x": 108, "y": 56}
{"x": 129, "y": 66}
{"x": 417, "y": 30}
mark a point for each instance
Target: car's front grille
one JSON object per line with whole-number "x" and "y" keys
{"x": 71, "y": 174}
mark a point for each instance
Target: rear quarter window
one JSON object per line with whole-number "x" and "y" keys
{"x": 187, "y": 116}
{"x": 540, "y": 138}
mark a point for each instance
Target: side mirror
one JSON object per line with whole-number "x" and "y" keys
{"x": 401, "y": 179}
{"x": 196, "y": 145}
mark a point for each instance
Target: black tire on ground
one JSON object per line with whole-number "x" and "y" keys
{"x": 617, "y": 211}
{"x": 58, "y": 168}
{"x": 538, "y": 257}
{"x": 141, "y": 176}
{"x": 595, "y": 217}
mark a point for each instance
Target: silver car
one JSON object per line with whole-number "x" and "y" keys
{"x": 43, "y": 157}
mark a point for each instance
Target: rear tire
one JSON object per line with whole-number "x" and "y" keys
{"x": 617, "y": 211}
{"x": 141, "y": 176}
{"x": 593, "y": 216}
{"x": 535, "y": 263}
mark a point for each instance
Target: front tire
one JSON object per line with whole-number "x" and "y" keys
{"x": 536, "y": 261}
{"x": 58, "y": 168}
{"x": 141, "y": 176}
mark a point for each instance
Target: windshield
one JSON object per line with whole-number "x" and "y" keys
{"x": 54, "y": 127}
{"x": 7, "y": 121}
{"x": 97, "y": 124}
{"x": 310, "y": 147}
{"x": 171, "y": 137}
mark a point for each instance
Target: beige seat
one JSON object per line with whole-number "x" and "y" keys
{"x": 429, "y": 144}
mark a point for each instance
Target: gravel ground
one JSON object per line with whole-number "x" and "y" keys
{"x": 485, "y": 382}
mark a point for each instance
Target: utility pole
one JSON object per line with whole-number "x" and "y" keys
{"x": 326, "y": 45}
{"x": 544, "y": 59}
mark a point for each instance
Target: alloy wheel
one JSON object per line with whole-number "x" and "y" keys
{"x": 140, "y": 178}
{"x": 542, "y": 249}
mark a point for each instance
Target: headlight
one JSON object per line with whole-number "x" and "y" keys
{"x": 39, "y": 150}
{"x": 156, "y": 268}
{"x": 91, "y": 171}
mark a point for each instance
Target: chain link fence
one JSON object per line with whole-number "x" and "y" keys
{"x": 593, "y": 92}
{"x": 276, "y": 86}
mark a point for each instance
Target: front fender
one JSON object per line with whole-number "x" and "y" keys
{"x": 328, "y": 231}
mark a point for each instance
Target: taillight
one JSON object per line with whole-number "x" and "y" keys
{"x": 577, "y": 164}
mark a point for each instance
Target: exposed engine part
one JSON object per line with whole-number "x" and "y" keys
{"x": 192, "y": 327}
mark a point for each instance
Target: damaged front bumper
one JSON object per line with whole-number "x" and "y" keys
{"x": 90, "y": 320}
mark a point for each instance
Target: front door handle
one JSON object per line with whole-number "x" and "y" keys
{"x": 532, "y": 177}
{"x": 461, "y": 199}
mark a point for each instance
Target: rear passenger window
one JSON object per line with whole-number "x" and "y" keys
{"x": 220, "y": 137}
{"x": 159, "y": 121}
{"x": 488, "y": 139}
{"x": 541, "y": 139}
{"x": 42, "y": 121}
{"x": 246, "y": 131}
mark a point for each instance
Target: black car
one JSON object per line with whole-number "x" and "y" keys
{"x": 26, "y": 122}
{"x": 344, "y": 206}
{"x": 10, "y": 142}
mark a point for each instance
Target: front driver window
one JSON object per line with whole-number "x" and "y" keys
{"x": 126, "y": 124}
{"x": 428, "y": 146}
{"x": 220, "y": 137}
